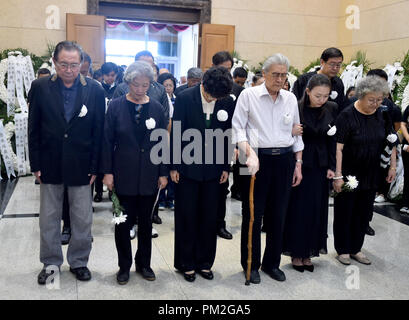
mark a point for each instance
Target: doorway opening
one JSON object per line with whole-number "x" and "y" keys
{"x": 174, "y": 46}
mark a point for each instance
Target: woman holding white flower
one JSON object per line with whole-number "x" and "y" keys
{"x": 128, "y": 168}
{"x": 305, "y": 233}
{"x": 362, "y": 133}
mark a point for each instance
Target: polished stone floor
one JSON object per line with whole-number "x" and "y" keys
{"x": 386, "y": 278}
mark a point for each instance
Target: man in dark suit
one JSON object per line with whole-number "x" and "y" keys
{"x": 194, "y": 76}
{"x": 65, "y": 126}
{"x": 224, "y": 59}
{"x": 200, "y": 111}
{"x": 331, "y": 62}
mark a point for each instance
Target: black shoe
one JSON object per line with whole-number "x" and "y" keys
{"x": 157, "y": 220}
{"x": 98, "y": 197}
{"x": 369, "y": 231}
{"x": 206, "y": 274}
{"x": 82, "y": 273}
{"x": 309, "y": 268}
{"x": 43, "y": 276}
{"x": 223, "y": 233}
{"x": 254, "y": 276}
{"x": 147, "y": 273}
{"x": 189, "y": 277}
{"x": 122, "y": 277}
{"x": 36, "y": 181}
{"x": 110, "y": 195}
{"x": 275, "y": 273}
{"x": 298, "y": 268}
{"x": 65, "y": 235}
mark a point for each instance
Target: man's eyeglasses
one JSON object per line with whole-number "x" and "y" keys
{"x": 335, "y": 65}
{"x": 65, "y": 66}
{"x": 277, "y": 75}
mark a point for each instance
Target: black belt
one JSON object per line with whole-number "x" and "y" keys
{"x": 275, "y": 151}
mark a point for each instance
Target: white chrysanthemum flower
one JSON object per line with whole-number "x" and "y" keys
{"x": 332, "y": 131}
{"x": 119, "y": 219}
{"x": 83, "y": 112}
{"x": 392, "y": 138}
{"x": 334, "y": 95}
{"x": 222, "y": 115}
{"x": 352, "y": 182}
{"x": 150, "y": 123}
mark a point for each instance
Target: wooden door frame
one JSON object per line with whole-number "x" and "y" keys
{"x": 204, "y": 6}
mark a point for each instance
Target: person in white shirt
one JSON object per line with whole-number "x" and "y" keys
{"x": 262, "y": 127}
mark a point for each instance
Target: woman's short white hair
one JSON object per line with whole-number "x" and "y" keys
{"x": 277, "y": 58}
{"x": 371, "y": 84}
{"x": 138, "y": 69}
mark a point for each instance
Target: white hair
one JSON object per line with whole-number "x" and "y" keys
{"x": 277, "y": 58}
{"x": 138, "y": 69}
{"x": 371, "y": 84}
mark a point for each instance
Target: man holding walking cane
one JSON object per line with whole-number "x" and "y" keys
{"x": 262, "y": 126}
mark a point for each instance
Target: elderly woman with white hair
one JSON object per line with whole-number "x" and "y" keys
{"x": 363, "y": 133}
{"x": 128, "y": 167}
{"x": 268, "y": 112}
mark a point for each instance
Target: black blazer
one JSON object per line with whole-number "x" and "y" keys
{"x": 65, "y": 152}
{"x": 319, "y": 147}
{"x": 189, "y": 113}
{"x": 127, "y": 147}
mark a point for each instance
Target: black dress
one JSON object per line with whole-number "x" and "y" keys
{"x": 306, "y": 224}
{"x": 364, "y": 138}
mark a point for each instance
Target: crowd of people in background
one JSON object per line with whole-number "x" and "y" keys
{"x": 311, "y": 136}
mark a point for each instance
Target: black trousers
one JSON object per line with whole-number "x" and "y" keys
{"x": 221, "y": 207}
{"x": 140, "y": 206}
{"x": 66, "y": 210}
{"x": 272, "y": 187}
{"x": 351, "y": 212}
{"x": 235, "y": 188}
{"x": 405, "y": 160}
{"x": 195, "y": 224}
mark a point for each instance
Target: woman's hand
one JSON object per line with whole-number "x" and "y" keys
{"x": 391, "y": 175}
{"x": 224, "y": 177}
{"x": 330, "y": 174}
{"x": 108, "y": 181}
{"x": 337, "y": 184}
{"x": 297, "y": 130}
{"x": 297, "y": 176}
{"x": 174, "y": 175}
{"x": 162, "y": 182}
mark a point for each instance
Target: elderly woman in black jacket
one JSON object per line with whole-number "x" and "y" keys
{"x": 128, "y": 167}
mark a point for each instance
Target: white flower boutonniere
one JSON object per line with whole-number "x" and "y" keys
{"x": 332, "y": 130}
{"x": 233, "y": 97}
{"x": 222, "y": 115}
{"x": 83, "y": 112}
{"x": 334, "y": 95}
{"x": 150, "y": 123}
{"x": 392, "y": 138}
{"x": 287, "y": 118}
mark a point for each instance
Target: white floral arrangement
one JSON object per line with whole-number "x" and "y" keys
{"x": 395, "y": 74}
{"x": 351, "y": 75}
{"x": 10, "y": 129}
{"x": 3, "y": 88}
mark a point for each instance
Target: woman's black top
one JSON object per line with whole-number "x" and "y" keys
{"x": 364, "y": 138}
{"x": 319, "y": 147}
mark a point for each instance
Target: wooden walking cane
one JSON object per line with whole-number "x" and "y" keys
{"x": 250, "y": 237}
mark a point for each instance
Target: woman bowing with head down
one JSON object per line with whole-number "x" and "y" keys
{"x": 305, "y": 233}
{"x": 363, "y": 133}
{"x": 128, "y": 167}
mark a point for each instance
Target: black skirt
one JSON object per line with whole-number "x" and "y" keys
{"x": 305, "y": 232}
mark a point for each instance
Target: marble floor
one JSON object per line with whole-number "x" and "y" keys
{"x": 386, "y": 278}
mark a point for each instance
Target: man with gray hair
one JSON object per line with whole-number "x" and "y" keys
{"x": 262, "y": 123}
{"x": 194, "y": 76}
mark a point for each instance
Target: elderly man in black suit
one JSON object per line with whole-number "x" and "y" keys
{"x": 65, "y": 127}
{"x": 127, "y": 165}
{"x": 199, "y": 111}
{"x": 194, "y": 76}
